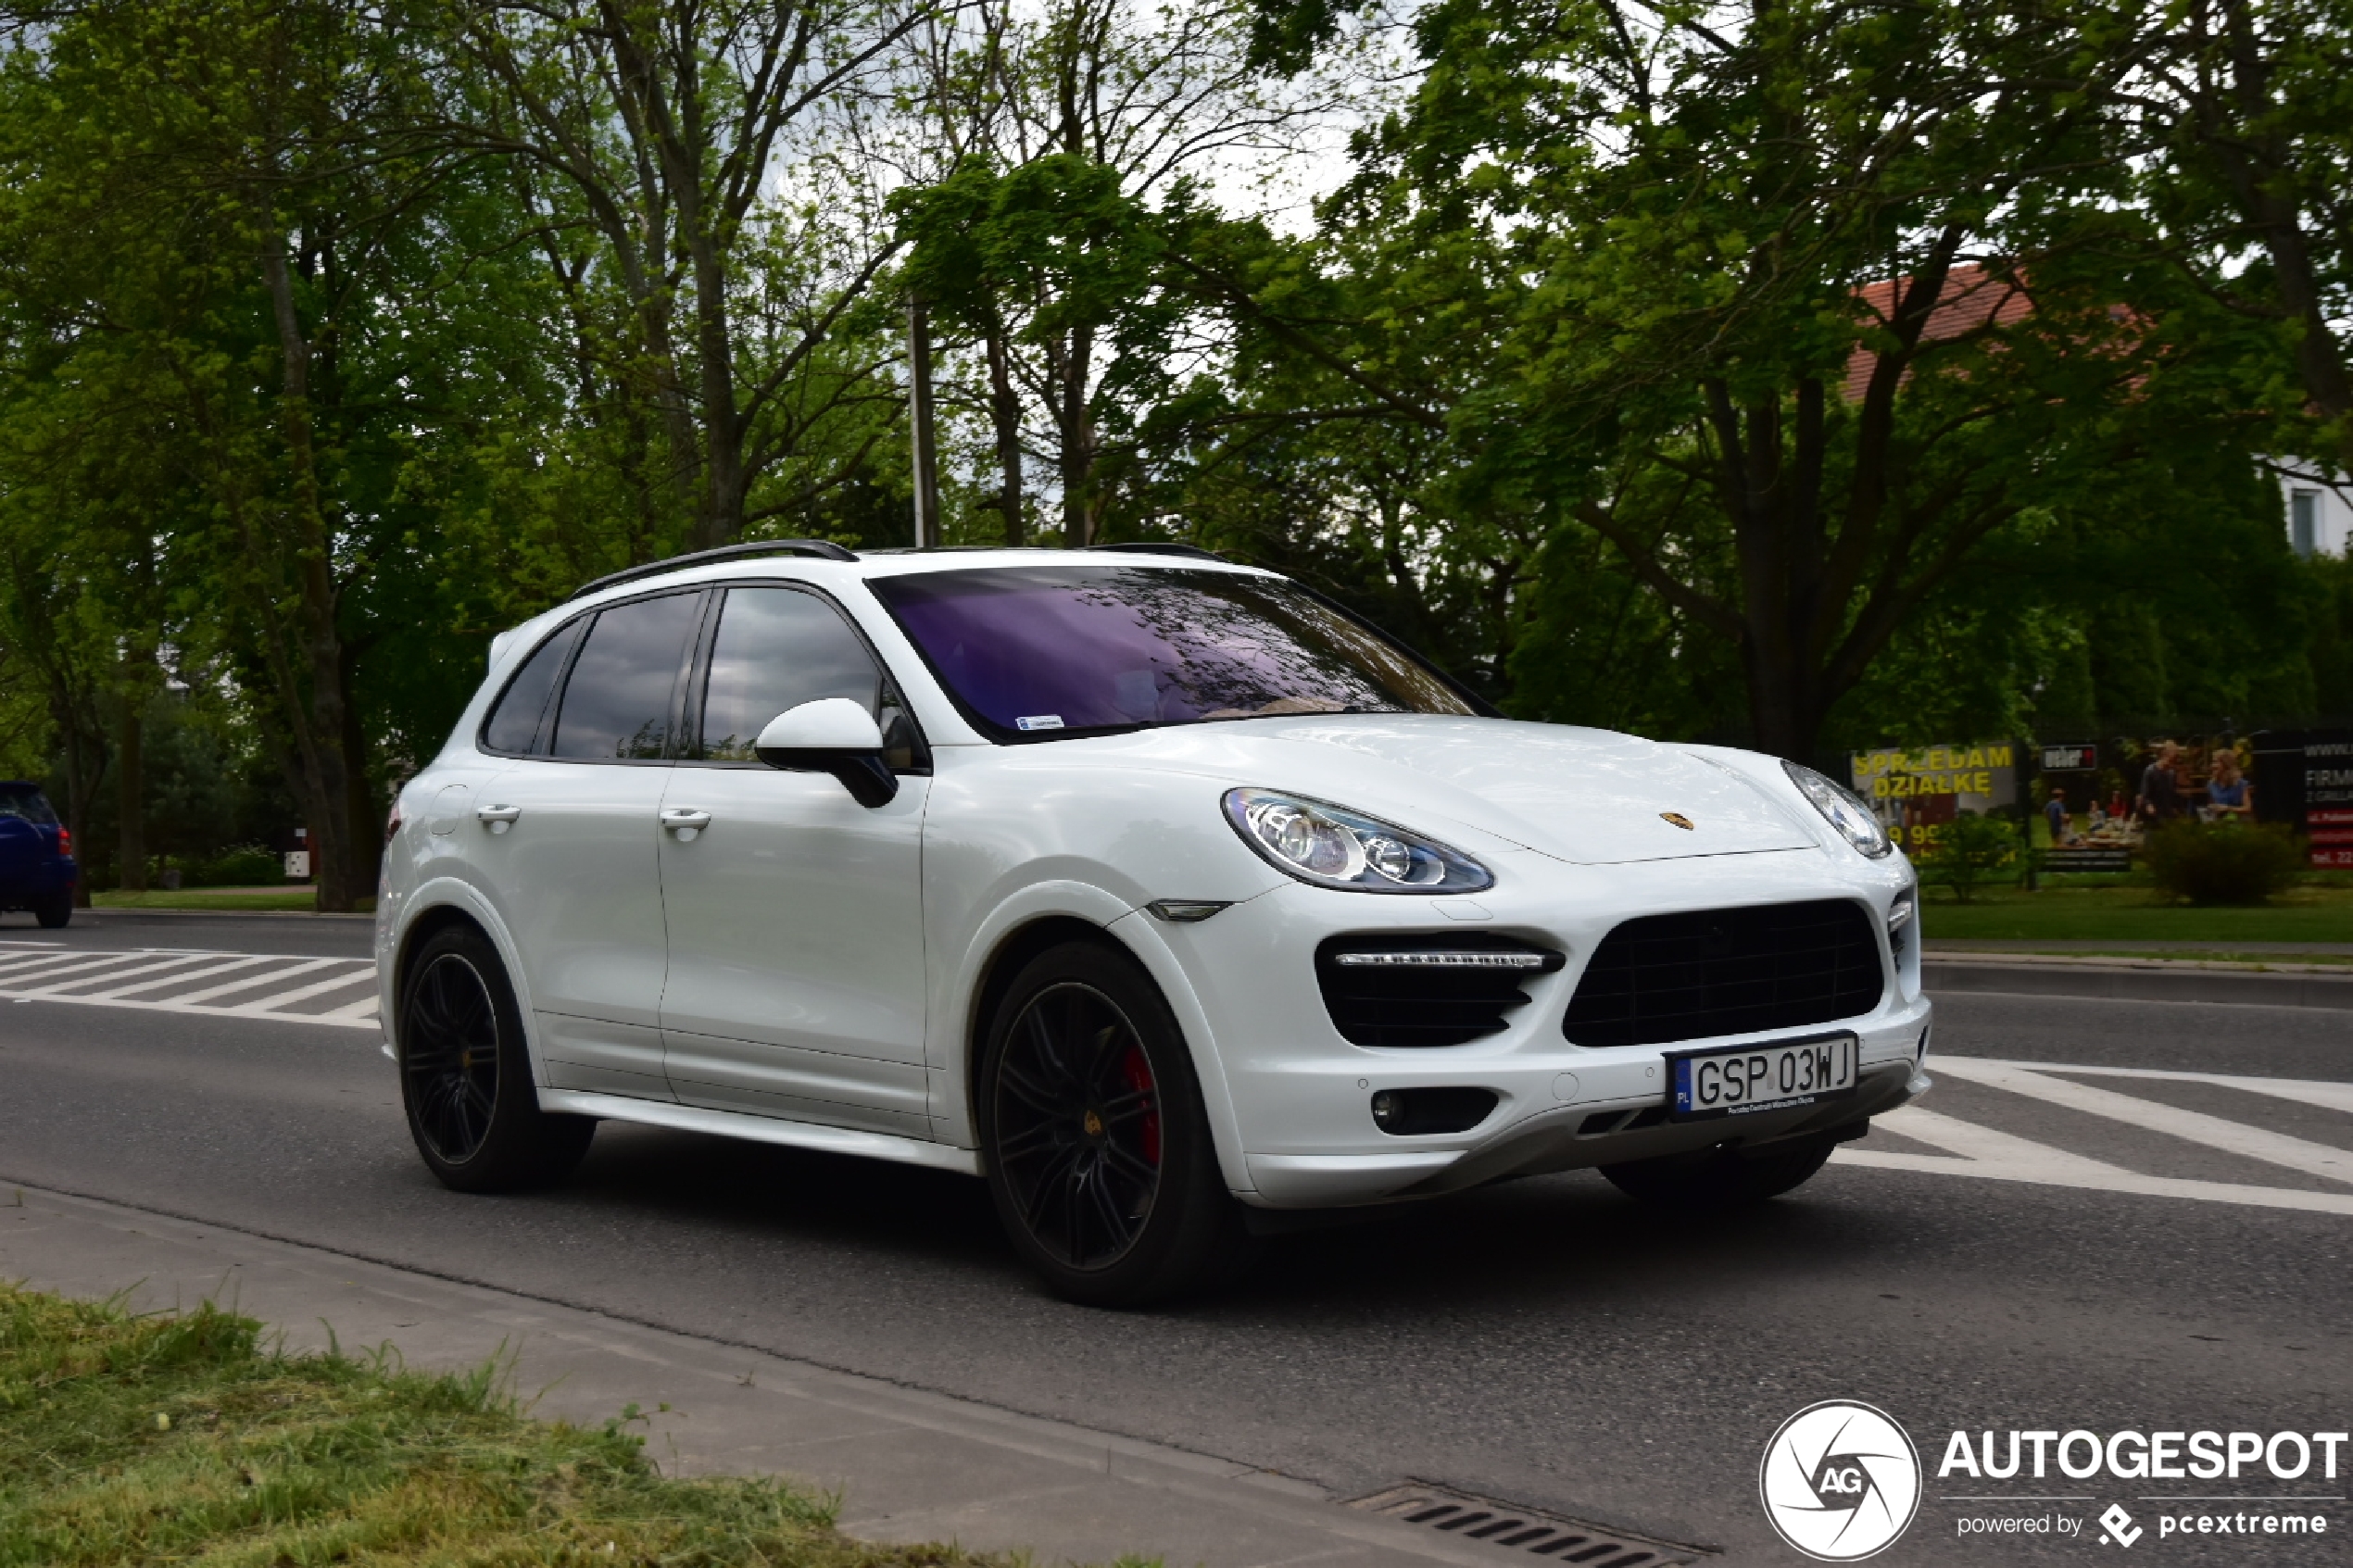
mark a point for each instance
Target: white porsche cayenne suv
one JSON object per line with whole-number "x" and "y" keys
{"x": 1154, "y": 889}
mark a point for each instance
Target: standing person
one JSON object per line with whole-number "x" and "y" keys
{"x": 2054, "y": 813}
{"x": 2228, "y": 793}
{"x": 2160, "y": 798}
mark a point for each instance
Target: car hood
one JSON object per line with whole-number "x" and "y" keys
{"x": 1591, "y": 796}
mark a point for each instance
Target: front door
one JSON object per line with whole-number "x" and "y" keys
{"x": 796, "y": 978}
{"x": 567, "y": 836}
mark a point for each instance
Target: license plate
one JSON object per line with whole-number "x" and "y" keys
{"x": 1745, "y": 1080}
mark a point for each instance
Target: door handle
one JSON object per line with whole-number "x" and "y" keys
{"x": 498, "y": 818}
{"x": 684, "y": 821}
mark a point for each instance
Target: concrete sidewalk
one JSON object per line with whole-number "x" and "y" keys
{"x": 910, "y": 1465}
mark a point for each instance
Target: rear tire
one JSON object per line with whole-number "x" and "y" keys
{"x": 1716, "y": 1179}
{"x": 465, "y": 1075}
{"x": 55, "y": 911}
{"x": 1099, "y": 1151}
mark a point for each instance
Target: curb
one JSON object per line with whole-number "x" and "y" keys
{"x": 102, "y": 915}
{"x": 2136, "y": 981}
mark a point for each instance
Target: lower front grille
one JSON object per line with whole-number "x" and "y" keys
{"x": 1709, "y": 973}
{"x": 1425, "y": 989}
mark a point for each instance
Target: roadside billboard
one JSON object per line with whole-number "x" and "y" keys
{"x": 1914, "y": 792}
{"x": 2303, "y": 778}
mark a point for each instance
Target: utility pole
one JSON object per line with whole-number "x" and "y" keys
{"x": 920, "y": 419}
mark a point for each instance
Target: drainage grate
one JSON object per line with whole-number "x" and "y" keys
{"x": 1552, "y": 1536}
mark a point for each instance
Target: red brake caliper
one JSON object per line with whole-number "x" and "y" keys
{"x": 1139, "y": 1073}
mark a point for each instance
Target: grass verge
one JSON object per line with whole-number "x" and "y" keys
{"x": 183, "y": 1438}
{"x": 2125, "y": 915}
{"x": 265, "y": 899}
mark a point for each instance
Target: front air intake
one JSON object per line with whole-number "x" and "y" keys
{"x": 1428, "y": 989}
{"x": 1711, "y": 972}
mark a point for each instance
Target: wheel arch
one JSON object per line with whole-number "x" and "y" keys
{"x": 436, "y": 907}
{"x": 1129, "y": 936}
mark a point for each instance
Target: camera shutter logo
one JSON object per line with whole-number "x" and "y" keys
{"x": 1841, "y": 1480}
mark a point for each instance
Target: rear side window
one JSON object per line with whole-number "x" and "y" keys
{"x": 519, "y": 721}
{"x": 26, "y": 804}
{"x": 618, "y": 701}
{"x": 777, "y": 648}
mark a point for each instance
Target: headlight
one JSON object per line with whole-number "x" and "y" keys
{"x": 1333, "y": 848}
{"x": 1843, "y": 810}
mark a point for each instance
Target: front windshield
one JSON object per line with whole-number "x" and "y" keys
{"x": 1033, "y": 650}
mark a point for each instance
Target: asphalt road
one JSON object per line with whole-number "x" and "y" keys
{"x": 1544, "y": 1340}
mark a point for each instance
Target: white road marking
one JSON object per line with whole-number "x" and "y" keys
{"x": 48, "y": 968}
{"x": 2191, "y": 1127}
{"x": 250, "y": 980}
{"x": 37, "y": 975}
{"x": 277, "y": 1001}
{"x": 363, "y": 1007}
{"x": 181, "y": 979}
{"x": 109, "y": 977}
{"x": 2309, "y": 1091}
{"x": 1992, "y": 1155}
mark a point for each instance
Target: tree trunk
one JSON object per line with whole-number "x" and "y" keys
{"x": 2259, "y": 163}
{"x": 82, "y": 776}
{"x": 367, "y": 844}
{"x": 131, "y": 788}
{"x": 318, "y": 723}
{"x": 1004, "y": 411}
{"x": 1078, "y": 439}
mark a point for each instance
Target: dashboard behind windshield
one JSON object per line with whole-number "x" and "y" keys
{"x": 1036, "y": 651}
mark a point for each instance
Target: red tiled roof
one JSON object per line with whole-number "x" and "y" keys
{"x": 1972, "y": 298}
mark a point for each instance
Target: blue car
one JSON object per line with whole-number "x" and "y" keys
{"x": 36, "y": 854}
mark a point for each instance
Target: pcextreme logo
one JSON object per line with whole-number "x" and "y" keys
{"x": 1840, "y": 1481}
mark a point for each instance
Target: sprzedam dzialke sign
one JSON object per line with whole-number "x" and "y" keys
{"x": 1915, "y": 793}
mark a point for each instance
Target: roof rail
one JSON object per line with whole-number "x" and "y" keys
{"x": 1157, "y": 551}
{"x": 824, "y": 549}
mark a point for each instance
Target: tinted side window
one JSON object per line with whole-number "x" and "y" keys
{"x": 778, "y": 648}
{"x": 617, "y": 702}
{"x": 515, "y": 724}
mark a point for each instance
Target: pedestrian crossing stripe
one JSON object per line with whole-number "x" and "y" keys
{"x": 203, "y": 982}
{"x": 1971, "y": 1149}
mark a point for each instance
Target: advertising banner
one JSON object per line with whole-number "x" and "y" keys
{"x": 1915, "y": 793}
{"x": 2086, "y": 824}
{"x": 2303, "y": 778}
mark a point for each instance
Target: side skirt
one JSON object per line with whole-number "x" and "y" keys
{"x": 761, "y": 1129}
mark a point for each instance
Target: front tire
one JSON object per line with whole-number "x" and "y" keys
{"x": 465, "y": 1075}
{"x": 1099, "y": 1151}
{"x": 1717, "y": 1179}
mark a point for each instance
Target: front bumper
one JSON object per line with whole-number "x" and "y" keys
{"x": 1302, "y": 1093}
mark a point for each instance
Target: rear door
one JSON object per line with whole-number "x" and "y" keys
{"x": 796, "y": 977}
{"x": 566, "y": 839}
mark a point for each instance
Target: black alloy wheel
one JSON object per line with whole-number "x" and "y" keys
{"x": 1077, "y": 1119}
{"x": 465, "y": 1073}
{"x": 451, "y": 1059}
{"x": 1098, "y": 1149}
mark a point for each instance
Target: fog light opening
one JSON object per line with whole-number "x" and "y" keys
{"x": 1421, "y": 1112}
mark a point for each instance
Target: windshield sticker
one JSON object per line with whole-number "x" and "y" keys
{"x": 1039, "y": 722}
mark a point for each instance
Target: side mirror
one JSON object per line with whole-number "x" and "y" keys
{"x": 831, "y": 735}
